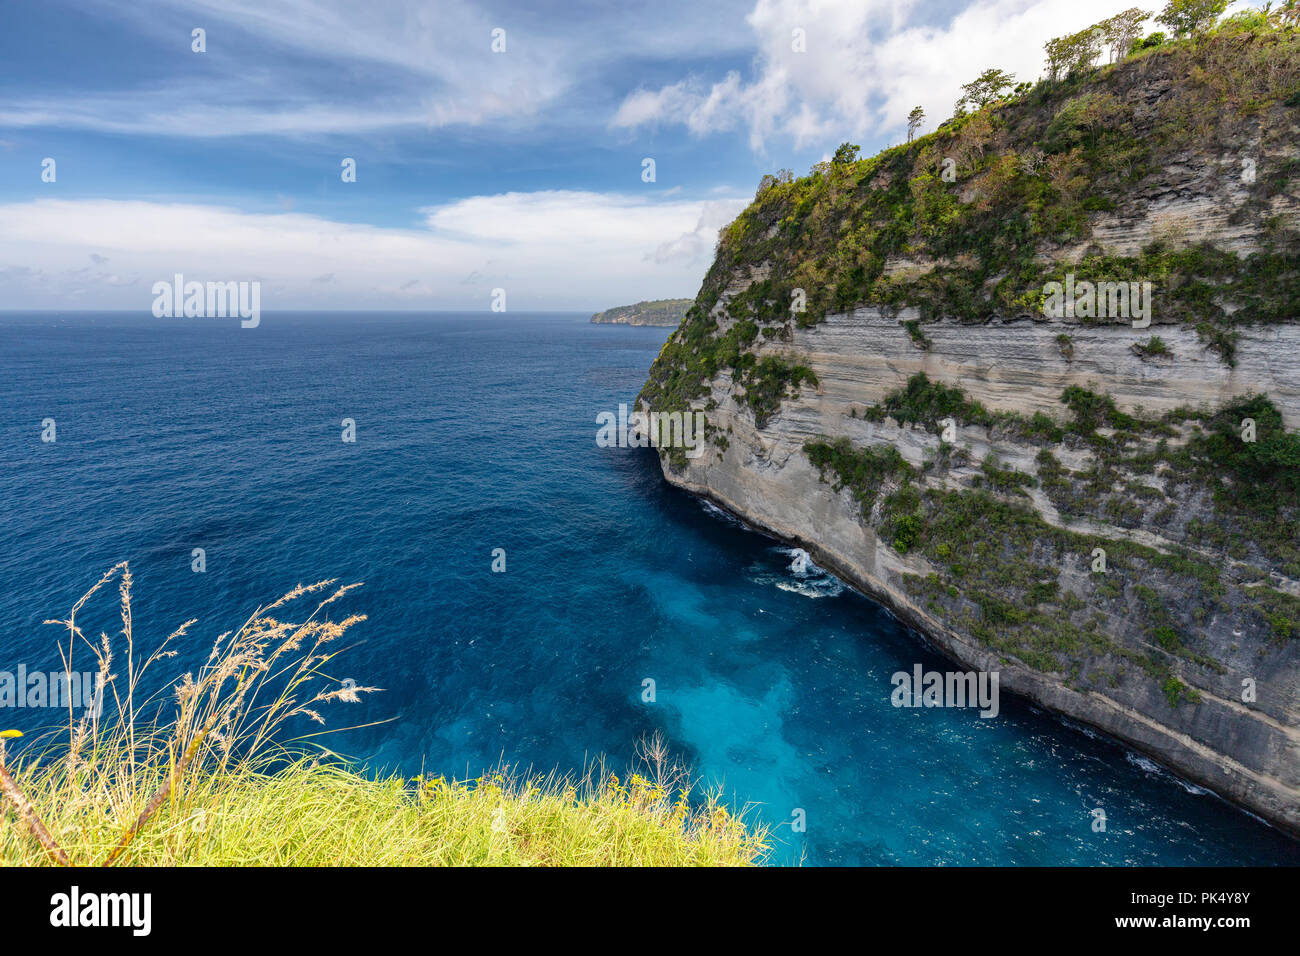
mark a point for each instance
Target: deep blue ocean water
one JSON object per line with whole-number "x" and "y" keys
{"x": 477, "y": 432}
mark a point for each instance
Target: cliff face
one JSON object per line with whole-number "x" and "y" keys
{"x": 928, "y": 433}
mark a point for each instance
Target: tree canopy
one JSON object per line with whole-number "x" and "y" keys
{"x": 986, "y": 88}
{"x": 1191, "y": 17}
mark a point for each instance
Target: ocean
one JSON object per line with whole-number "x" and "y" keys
{"x": 473, "y": 433}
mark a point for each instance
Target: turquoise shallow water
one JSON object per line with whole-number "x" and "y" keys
{"x": 476, "y": 433}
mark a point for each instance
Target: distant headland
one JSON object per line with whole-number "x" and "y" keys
{"x": 665, "y": 312}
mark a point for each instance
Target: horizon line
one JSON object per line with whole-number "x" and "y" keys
{"x": 149, "y": 313}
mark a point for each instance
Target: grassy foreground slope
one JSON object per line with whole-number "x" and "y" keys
{"x": 196, "y": 775}
{"x": 318, "y": 814}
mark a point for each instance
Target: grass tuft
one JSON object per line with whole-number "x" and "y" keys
{"x": 200, "y": 776}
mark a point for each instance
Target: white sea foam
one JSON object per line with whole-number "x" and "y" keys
{"x": 805, "y": 577}
{"x": 1144, "y": 764}
{"x": 1153, "y": 768}
{"x": 827, "y": 587}
{"x": 716, "y": 512}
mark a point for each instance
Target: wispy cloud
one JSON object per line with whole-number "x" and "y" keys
{"x": 303, "y": 67}
{"x": 314, "y": 67}
{"x": 170, "y": 113}
{"x": 549, "y": 250}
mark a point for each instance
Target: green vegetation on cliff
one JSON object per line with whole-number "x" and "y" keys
{"x": 1028, "y": 587}
{"x": 699, "y": 351}
{"x": 971, "y": 221}
{"x": 978, "y": 207}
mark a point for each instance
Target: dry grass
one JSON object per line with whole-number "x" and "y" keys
{"x": 200, "y": 777}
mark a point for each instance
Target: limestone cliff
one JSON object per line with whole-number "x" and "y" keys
{"x": 928, "y": 430}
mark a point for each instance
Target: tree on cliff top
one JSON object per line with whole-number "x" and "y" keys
{"x": 1075, "y": 53}
{"x": 1123, "y": 30}
{"x": 986, "y": 88}
{"x": 914, "y": 121}
{"x": 1191, "y": 17}
{"x": 845, "y": 154}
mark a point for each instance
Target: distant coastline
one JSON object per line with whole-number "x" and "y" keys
{"x": 661, "y": 312}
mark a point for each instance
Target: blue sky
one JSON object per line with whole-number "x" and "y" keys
{"x": 476, "y": 169}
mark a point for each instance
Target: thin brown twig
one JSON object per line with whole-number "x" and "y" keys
{"x": 157, "y": 799}
{"x": 9, "y": 786}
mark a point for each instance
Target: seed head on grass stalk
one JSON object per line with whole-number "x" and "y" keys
{"x": 226, "y": 717}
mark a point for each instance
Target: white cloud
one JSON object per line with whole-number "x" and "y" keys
{"x": 318, "y": 67}
{"x": 418, "y": 71}
{"x": 549, "y": 250}
{"x": 867, "y": 64}
{"x": 181, "y": 112}
{"x": 698, "y": 244}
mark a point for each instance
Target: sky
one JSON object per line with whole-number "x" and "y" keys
{"x": 496, "y": 145}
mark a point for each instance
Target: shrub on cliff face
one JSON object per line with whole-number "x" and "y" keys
{"x": 907, "y": 528}
{"x": 1093, "y": 411}
{"x": 928, "y": 403}
{"x": 1262, "y": 463}
{"x": 768, "y": 381}
{"x": 1154, "y": 347}
{"x": 861, "y": 470}
{"x": 1176, "y": 692}
{"x": 1086, "y": 121}
{"x": 1002, "y": 480}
